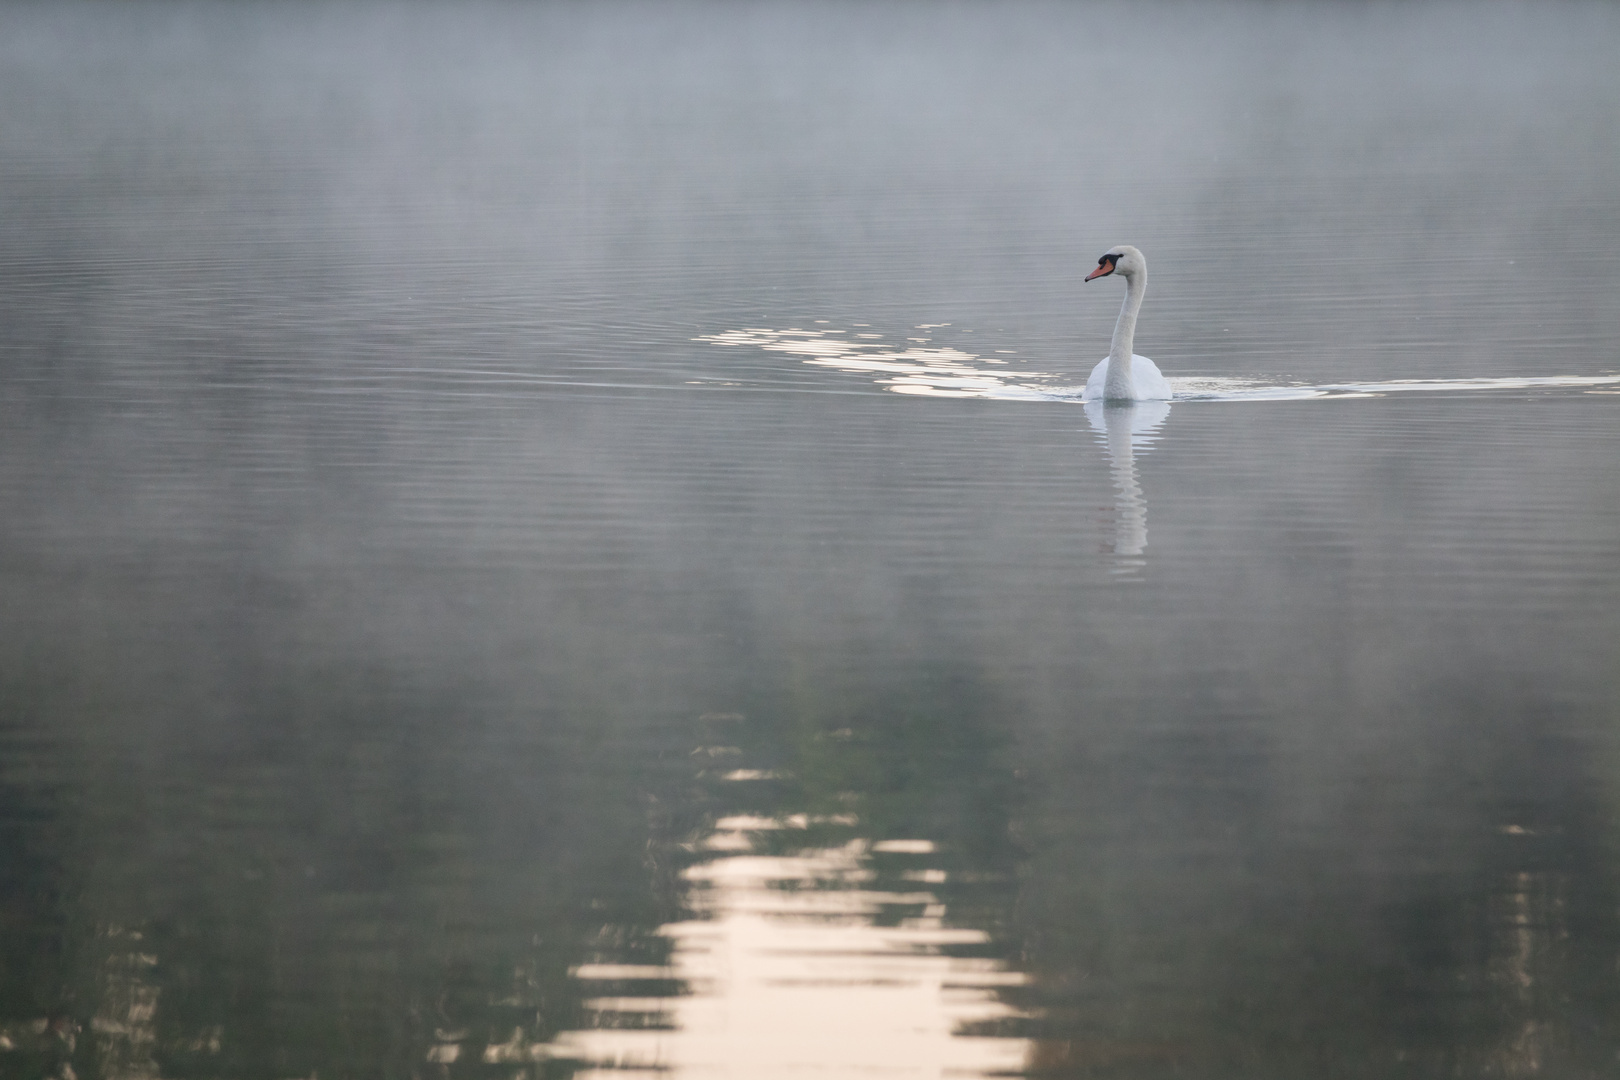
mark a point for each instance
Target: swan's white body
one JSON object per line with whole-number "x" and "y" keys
{"x": 1145, "y": 384}
{"x": 1124, "y": 376}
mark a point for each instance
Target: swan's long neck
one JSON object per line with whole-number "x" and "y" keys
{"x": 1118, "y": 384}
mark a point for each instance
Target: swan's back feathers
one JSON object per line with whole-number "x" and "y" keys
{"x": 1150, "y": 384}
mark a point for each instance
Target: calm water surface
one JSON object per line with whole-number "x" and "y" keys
{"x": 560, "y": 540}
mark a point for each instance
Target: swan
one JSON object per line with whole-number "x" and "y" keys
{"x": 1124, "y": 376}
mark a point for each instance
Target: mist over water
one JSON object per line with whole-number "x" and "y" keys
{"x": 472, "y": 602}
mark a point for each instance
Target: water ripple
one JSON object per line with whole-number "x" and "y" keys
{"x": 927, "y": 370}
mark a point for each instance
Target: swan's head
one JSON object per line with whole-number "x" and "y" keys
{"x": 1123, "y": 260}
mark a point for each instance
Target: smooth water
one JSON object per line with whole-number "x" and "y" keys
{"x": 560, "y": 540}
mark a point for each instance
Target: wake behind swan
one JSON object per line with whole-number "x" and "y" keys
{"x": 923, "y": 369}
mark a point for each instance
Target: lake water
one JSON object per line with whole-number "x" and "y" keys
{"x": 561, "y": 541}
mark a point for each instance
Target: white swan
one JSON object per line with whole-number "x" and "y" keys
{"x": 1124, "y": 376}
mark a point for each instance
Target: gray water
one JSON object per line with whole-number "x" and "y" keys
{"x": 468, "y": 606}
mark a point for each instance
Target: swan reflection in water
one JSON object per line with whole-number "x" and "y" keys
{"x": 1124, "y": 429}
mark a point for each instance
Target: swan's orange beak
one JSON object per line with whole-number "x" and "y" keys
{"x": 1104, "y": 268}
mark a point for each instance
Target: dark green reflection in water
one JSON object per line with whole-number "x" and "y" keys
{"x": 376, "y": 867}
{"x": 1183, "y": 926}
{"x": 326, "y": 899}
{"x": 362, "y": 867}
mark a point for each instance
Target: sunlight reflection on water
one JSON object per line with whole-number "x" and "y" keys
{"x": 804, "y": 962}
